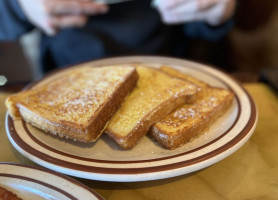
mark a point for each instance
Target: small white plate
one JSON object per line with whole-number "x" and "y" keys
{"x": 104, "y": 160}
{"x": 34, "y": 183}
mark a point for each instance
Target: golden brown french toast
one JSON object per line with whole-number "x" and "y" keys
{"x": 173, "y": 72}
{"x": 190, "y": 120}
{"x": 155, "y": 95}
{"x": 76, "y": 103}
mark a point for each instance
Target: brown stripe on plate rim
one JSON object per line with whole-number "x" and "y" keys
{"x": 40, "y": 183}
{"x": 71, "y": 180}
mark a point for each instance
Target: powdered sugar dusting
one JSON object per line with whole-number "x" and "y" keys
{"x": 76, "y": 95}
{"x": 192, "y": 113}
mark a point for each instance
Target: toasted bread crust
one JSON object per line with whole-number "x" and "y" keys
{"x": 154, "y": 115}
{"x": 115, "y": 102}
{"x": 182, "y": 126}
{"x": 12, "y": 108}
{"x": 177, "y": 74}
{"x": 173, "y": 100}
{"x": 86, "y": 131}
{"x": 173, "y": 140}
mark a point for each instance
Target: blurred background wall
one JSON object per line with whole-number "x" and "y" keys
{"x": 24, "y": 67}
{"x": 250, "y": 46}
{"x": 254, "y": 39}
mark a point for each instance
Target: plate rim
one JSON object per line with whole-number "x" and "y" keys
{"x": 48, "y": 171}
{"x": 245, "y": 133}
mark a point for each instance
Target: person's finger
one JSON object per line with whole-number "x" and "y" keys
{"x": 210, "y": 11}
{"x": 169, "y": 4}
{"x": 229, "y": 10}
{"x": 174, "y": 4}
{"x": 74, "y": 7}
{"x": 212, "y": 15}
{"x": 183, "y": 12}
{"x": 190, "y": 6}
{"x": 177, "y": 18}
{"x": 50, "y": 30}
{"x": 207, "y": 4}
{"x": 60, "y": 22}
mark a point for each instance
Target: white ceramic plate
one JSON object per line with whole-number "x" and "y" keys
{"x": 36, "y": 184}
{"x": 104, "y": 160}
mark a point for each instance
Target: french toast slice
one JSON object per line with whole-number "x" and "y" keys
{"x": 191, "y": 120}
{"x": 155, "y": 95}
{"x": 76, "y": 103}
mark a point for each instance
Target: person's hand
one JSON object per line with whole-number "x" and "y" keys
{"x": 214, "y": 12}
{"x": 52, "y": 15}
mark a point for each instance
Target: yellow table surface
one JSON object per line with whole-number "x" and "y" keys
{"x": 249, "y": 173}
